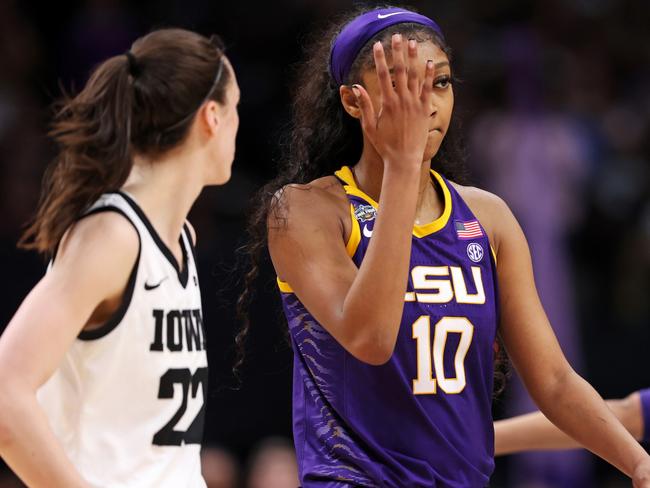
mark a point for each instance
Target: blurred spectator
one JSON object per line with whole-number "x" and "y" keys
{"x": 536, "y": 160}
{"x": 23, "y": 150}
{"x": 220, "y": 468}
{"x": 98, "y": 30}
{"x": 22, "y": 138}
{"x": 273, "y": 465}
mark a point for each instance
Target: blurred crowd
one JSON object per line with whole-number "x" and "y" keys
{"x": 555, "y": 102}
{"x": 272, "y": 464}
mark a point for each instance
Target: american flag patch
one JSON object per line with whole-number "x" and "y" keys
{"x": 468, "y": 230}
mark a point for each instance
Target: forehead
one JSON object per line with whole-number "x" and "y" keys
{"x": 427, "y": 50}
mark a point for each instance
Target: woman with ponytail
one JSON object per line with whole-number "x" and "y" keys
{"x": 387, "y": 267}
{"x": 103, "y": 369}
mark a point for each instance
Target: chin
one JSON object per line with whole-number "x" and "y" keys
{"x": 433, "y": 145}
{"x": 220, "y": 174}
{"x": 430, "y": 152}
{"x": 221, "y": 178}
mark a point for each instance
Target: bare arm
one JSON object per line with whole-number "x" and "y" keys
{"x": 563, "y": 396}
{"x": 93, "y": 265}
{"x": 362, "y": 308}
{"x": 533, "y": 431}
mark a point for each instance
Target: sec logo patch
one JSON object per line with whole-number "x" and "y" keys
{"x": 475, "y": 252}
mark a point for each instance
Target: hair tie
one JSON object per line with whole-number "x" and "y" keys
{"x": 134, "y": 69}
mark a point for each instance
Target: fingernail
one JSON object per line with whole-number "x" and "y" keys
{"x": 356, "y": 91}
{"x": 412, "y": 43}
{"x": 377, "y": 44}
{"x": 429, "y": 64}
{"x": 397, "y": 37}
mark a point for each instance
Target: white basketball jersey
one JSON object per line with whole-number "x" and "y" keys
{"x": 128, "y": 401}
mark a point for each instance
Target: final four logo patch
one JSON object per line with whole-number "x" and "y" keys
{"x": 364, "y": 213}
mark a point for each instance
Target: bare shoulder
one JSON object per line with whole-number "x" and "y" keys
{"x": 488, "y": 208}
{"x": 483, "y": 200}
{"x": 322, "y": 199}
{"x": 104, "y": 239}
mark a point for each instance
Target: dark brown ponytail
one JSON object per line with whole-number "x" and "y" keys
{"x": 142, "y": 102}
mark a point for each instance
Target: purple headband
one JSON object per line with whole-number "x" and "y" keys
{"x": 361, "y": 29}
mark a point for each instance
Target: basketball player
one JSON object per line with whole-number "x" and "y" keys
{"x": 533, "y": 431}
{"x": 103, "y": 367}
{"x": 388, "y": 273}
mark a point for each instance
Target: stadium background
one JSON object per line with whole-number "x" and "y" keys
{"x": 555, "y": 102}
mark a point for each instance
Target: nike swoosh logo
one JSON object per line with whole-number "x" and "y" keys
{"x": 367, "y": 232}
{"x": 148, "y": 287}
{"x": 383, "y": 16}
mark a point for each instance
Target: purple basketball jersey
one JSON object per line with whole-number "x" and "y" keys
{"x": 645, "y": 412}
{"x": 423, "y": 419}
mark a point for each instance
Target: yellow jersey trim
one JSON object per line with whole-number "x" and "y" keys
{"x": 350, "y": 247}
{"x": 440, "y": 222}
{"x": 351, "y": 188}
{"x": 345, "y": 173}
{"x": 284, "y": 286}
{"x": 355, "y": 234}
{"x": 494, "y": 255}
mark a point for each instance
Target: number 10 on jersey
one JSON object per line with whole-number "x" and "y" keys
{"x": 430, "y": 357}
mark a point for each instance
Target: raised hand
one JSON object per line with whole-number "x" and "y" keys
{"x": 399, "y": 129}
